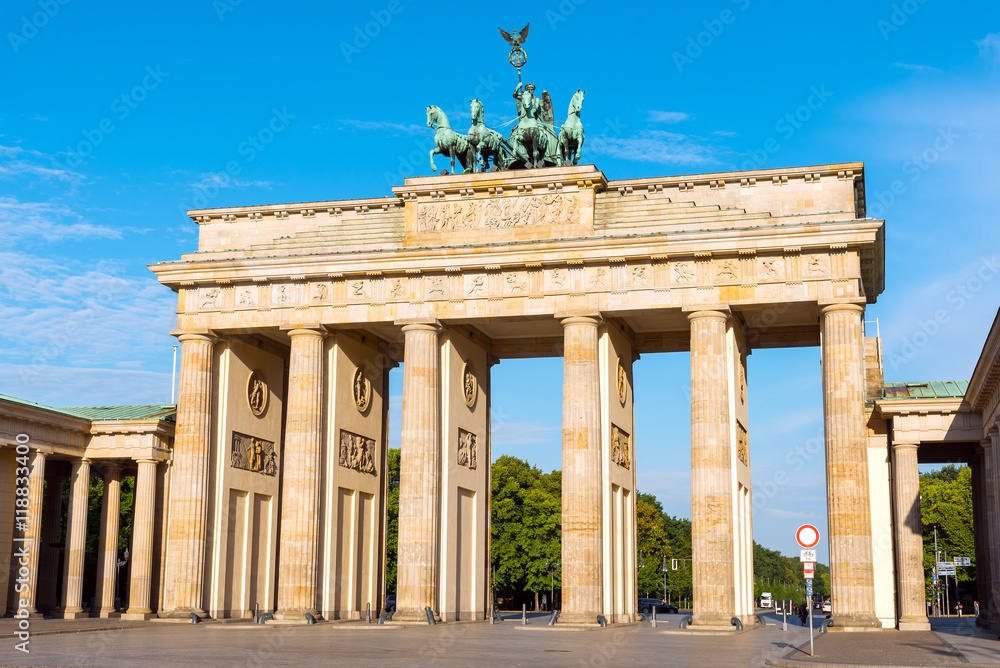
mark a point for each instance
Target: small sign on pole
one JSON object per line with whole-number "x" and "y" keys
{"x": 807, "y": 536}
{"x": 809, "y": 570}
{"x": 809, "y": 587}
{"x": 807, "y": 555}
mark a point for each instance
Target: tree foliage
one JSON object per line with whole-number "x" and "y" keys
{"x": 946, "y": 503}
{"x": 392, "y": 523}
{"x": 527, "y": 526}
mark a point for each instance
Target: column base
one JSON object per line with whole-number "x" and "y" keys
{"x": 131, "y": 616}
{"x": 913, "y": 624}
{"x": 296, "y": 615}
{"x": 106, "y": 614}
{"x": 183, "y": 613}
{"x": 70, "y": 614}
{"x": 713, "y": 622}
{"x": 855, "y": 623}
{"x": 413, "y": 616}
{"x": 577, "y": 619}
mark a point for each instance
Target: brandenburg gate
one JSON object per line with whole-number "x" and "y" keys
{"x": 291, "y": 316}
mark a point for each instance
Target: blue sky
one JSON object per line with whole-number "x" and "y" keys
{"x": 116, "y": 117}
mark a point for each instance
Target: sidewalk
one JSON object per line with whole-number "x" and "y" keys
{"x": 951, "y": 642}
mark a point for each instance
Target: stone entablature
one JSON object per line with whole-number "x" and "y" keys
{"x": 932, "y": 420}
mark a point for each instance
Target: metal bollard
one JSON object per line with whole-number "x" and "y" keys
{"x": 368, "y": 613}
{"x": 524, "y": 614}
{"x": 430, "y": 616}
{"x": 654, "y": 618}
{"x": 256, "y": 612}
{"x": 491, "y": 614}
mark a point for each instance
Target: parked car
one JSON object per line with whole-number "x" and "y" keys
{"x": 647, "y": 605}
{"x": 827, "y": 607}
{"x": 390, "y": 603}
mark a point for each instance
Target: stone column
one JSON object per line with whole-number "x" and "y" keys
{"x": 143, "y": 522}
{"x": 980, "y": 515}
{"x": 107, "y": 550}
{"x": 33, "y": 529}
{"x": 582, "y": 552}
{"x": 852, "y": 578}
{"x": 420, "y": 474}
{"x": 713, "y": 561}
{"x": 909, "y": 538}
{"x": 991, "y": 453}
{"x": 51, "y": 530}
{"x": 76, "y": 541}
{"x": 188, "y": 518}
{"x": 300, "y": 485}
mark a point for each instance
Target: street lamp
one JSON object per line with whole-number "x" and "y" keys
{"x": 552, "y": 583}
{"x": 664, "y": 569}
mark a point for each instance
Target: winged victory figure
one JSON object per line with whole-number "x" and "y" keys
{"x": 517, "y": 39}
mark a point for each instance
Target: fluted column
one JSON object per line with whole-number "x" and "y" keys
{"x": 188, "y": 517}
{"x": 33, "y": 528}
{"x": 143, "y": 522}
{"x": 582, "y": 563}
{"x": 909, "y": 538}
{"x": 51, "y": 530}
{"x": 712, "y": 558}
{"x": 852, "y": 578}
{"x": 107, "y": 549}
{"x": 301, "y": 470}
{"x": 76, "y": 541}
{"x": 420, "y": 474}
{"x": 991, "y": 454}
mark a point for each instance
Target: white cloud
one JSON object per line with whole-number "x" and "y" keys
{"x": 506, "y": 434}
{"x": 654, "y": 146}
{"x": 224, "y": 180}
{"x": 17, "y": 162}
{"x": 46, "y": 221}
{"x": 669, "y": 117}
{"x": 916, "y": 68}
{"x": 989, "y": 47}
{"x": 410, "y": 129}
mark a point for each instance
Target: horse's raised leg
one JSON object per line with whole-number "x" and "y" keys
{"x": 433, "y": 167}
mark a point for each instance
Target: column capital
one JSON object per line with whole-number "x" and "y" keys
{"x": 306, "y": 331}
{"x": 591, "y": 320}
{"x": 709, "y": 314}
{"x": 110, "y": 467}
{"x": 840, "y": 307}
{"x": 191, "y": 335}
{"x": 424, "y": 326}
{"x": 154, "y": 462}
{"x": 903, "y": 445}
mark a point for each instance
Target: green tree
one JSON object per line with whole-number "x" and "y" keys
{"x": 946, "y": 503}
{"x": 526, "y": 526}
{"x": 652, "y": 543}
{"x": 392, "y": 522}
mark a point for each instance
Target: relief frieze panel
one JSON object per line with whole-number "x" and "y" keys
{"x": 499, "y": 213}
{"x": 620, "y": 447}
{"x": 247, "y": 296}
{"x": 357, "y": 452}
{"x": 253, "y": 454}
{"x": 467, "y": 449}
{"x": 742, "y": 444}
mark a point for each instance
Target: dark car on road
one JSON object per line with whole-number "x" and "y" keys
{"x": 390, "y": 603}
{"x": 647, "y": 605}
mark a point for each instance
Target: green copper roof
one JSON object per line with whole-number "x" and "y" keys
{"x": 98, "y": 413}
{"x": 935, "y": 389}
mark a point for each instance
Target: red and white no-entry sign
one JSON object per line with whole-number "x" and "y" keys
{"x": 807, "y": 536}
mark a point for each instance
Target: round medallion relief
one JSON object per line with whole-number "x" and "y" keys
{"x": 470, "y": 386}
{"x": 362, "y": 390}
{"x": 622, "y": 384}
{"x": 257, "y": 393}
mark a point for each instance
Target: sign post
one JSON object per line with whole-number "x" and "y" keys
{"x": 807, "y": 537}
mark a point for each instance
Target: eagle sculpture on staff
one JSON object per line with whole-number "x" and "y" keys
{"x": 516, "y": 39}
{"x": 517, "y": 56}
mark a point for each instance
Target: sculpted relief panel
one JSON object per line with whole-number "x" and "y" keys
{"x": 467, "y": 449}
{"x": 497, "y": 213}
{"x": 250, "y": 453}
{"x": 620, "y": 443}
{"x": 357, "y": 452}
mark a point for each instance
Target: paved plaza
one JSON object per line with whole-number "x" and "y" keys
{"x": 70, "y": 643}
